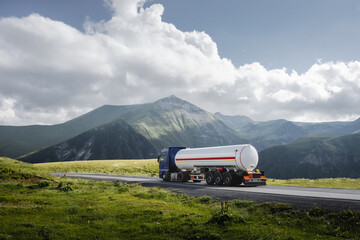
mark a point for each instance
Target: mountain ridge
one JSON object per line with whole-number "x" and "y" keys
{"x": 168, "y": 121}
{"x": 314, "y": 157}
{"x": 114, "y": 140}
{"x": 172, "y": 121}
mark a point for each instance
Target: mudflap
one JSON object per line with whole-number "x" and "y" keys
{"x": 254, "y": 184}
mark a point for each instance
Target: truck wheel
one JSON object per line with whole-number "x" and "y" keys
{"x": 180, "y": 176}
{"x": 209, "y": 177}
{"x": 218, "y": 178}
{"x": 164, "y": 177}
{"x": 186, "y": 178}
{"x": 227, "y": 179}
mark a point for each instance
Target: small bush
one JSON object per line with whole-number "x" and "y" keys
{"x": 41, "y": 184}
{"x": 122, "y": 187}
{"x": 221, "y": 218}
{"x": 317, "y": 212}
{"x": 65, "y": 188}
{"x": 45, "y": 232}
{"x": 224, "y": 216}
{"x": 242, "y": 204}
{"x": 276, "y": 207}
{"x": 346, "y": 219}
{"x": 204, "y": 200}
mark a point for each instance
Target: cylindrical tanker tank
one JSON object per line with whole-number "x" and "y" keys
{"x": 241, "y": 157}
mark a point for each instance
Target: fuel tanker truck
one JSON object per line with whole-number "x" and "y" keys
{"x": 228, "y": 165}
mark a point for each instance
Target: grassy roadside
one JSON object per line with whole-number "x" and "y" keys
{"x": 35, "y": 205}
{"x": 150, "y": 168}
{"x": 323, "y": 182}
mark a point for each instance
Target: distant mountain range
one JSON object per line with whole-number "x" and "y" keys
{"x": 141, "y": 131}
{"x": 314, "y": 157}
{"x": 167, "y": 122}
{"x": 266, "y": 134}
{"x": 108, "y": 141}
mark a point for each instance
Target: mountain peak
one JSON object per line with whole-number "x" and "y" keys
{"x": 174, "y": 103}
{"x": 171, "y": 99}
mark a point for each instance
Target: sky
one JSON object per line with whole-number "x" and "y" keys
{"x": 265, "y": 59}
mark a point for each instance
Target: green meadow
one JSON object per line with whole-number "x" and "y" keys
{"x": 36, "y": 205}
{"x": 149, "y": 167}
{"x": 322, "y": 182}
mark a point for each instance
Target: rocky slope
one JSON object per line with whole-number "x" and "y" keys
{"x": 174, "y": 122}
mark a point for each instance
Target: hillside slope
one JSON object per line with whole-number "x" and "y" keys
{"x": 16, "y": 141}
{"x": 314, "y": 157}
{"x": 168, "y": 122}
{"x": 263, "y": 134}
{"x": 276, "y": 132}
{"x": 174, "y": 122}
{"x": 116, "y": 140}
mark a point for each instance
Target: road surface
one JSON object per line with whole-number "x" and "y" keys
{"x": 333, "y": 199}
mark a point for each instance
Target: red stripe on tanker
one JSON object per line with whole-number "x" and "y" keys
{"x": 210, "y": 158}
{"x": 243, "y": 157}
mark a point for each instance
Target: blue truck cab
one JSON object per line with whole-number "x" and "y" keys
{"x": 167, "y": 163}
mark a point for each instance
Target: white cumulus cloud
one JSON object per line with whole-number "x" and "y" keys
{"x": 51, "y": 72}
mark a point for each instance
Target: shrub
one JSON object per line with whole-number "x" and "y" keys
{"x": 242, "y": 204}
{"x": 65, "y": 188}
{"x": 317, "y": 212}
{"x": 276, "y": 207}
{"x": 204, "y": 200}
{"x": 41, "y": 184}
{"x": 224, "y": 216}
{"x": 346, "y": 219}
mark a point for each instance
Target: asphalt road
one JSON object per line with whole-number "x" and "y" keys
{"x": 302, "y": 198}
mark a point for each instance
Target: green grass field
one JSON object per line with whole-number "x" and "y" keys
{"x": 127, "y": 167}
{"x": 150, "y": 168}
{"x": 35, "y": 205}
{"x": 322, "y": 182}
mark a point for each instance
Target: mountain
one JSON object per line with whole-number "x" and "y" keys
{"x": 236, "y": 122}
{"x": 271, "y": 133}
{"x": 172, "y": 121}
{"x": 264, "y": 134}
{"x": 314, "y": 157}
{"x": 166, "y": 122}
{"x": 116, "y": 140}
{"x": 17, "y": 141}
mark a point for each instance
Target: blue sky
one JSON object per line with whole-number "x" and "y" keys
{"x": 266, "y": 59}
{"x": 276, "y": 33}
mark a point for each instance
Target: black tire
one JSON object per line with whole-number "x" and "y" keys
{"x": 186, "y": 177}
{"x": 209, "y": 177}
{"x": 218, "y": 178}
{"x": 227, "y": 179}
{"x": 180, "y": 176}
{"x": 164, "y": 177}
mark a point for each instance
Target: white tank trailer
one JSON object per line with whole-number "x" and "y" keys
{"x": 228, "y": 165}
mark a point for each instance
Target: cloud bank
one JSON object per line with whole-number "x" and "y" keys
{"x": 50, "y": 72}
